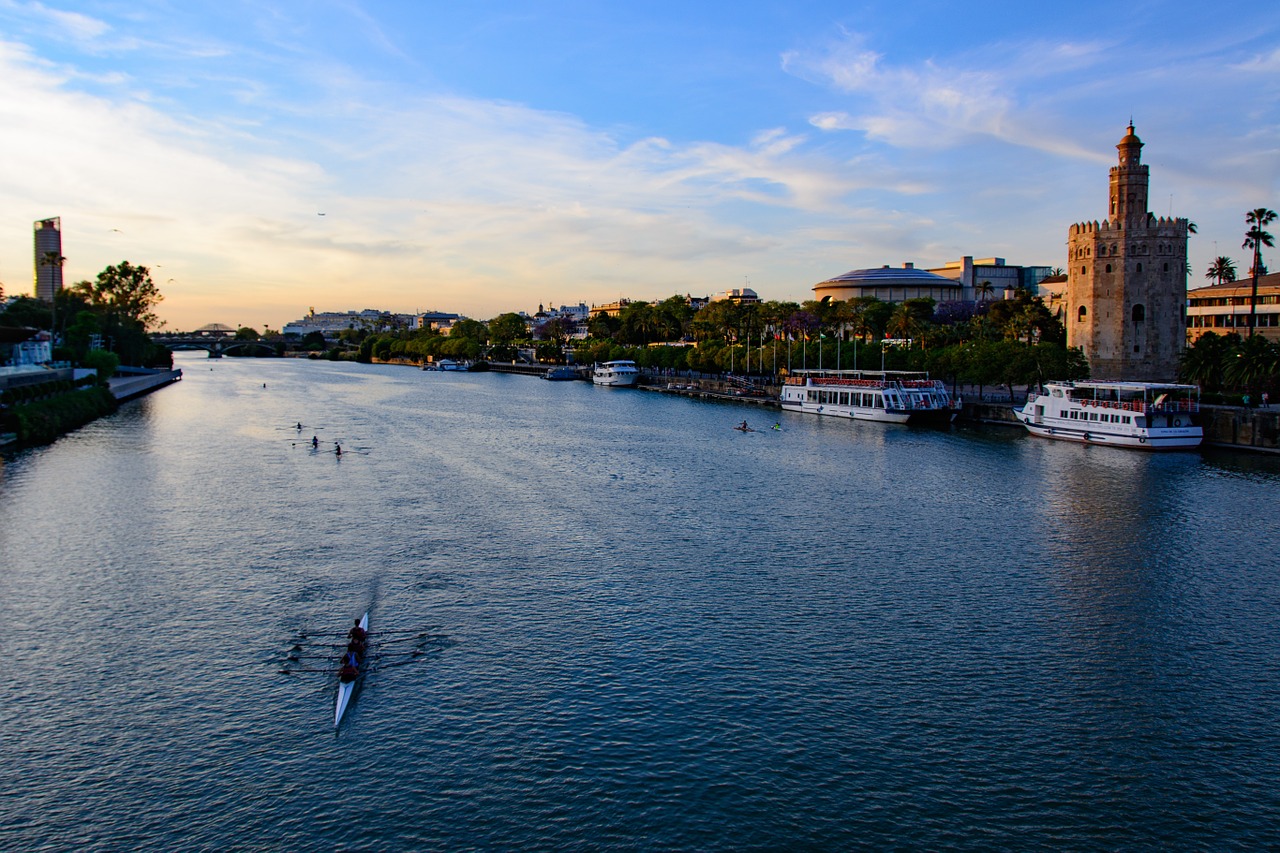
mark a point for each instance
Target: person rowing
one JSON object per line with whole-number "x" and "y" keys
{"x": 315, "y": 442}
{"x": 350, "y": 669}
{"x": 337, "y": 449}
{"x": 357, "y": 633}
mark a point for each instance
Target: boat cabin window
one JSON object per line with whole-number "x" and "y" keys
{"x": 1057, "y": 392}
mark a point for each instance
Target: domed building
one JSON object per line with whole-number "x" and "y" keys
{"x": 890, "y": 284}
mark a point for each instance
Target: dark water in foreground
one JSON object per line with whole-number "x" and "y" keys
{"x": 645, "y": 630}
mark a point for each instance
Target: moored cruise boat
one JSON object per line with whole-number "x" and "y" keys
{"x": 616, "y": 374}
{"x": 890, "y": 396}
{"x": 1141, "y": 415}
{"x": 561, "y": 373}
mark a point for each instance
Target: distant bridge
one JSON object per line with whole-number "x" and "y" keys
{"x": 217, "y": 347}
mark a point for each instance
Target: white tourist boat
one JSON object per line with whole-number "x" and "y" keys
{"x": 890, "y": 396}
{"x": 1141, "y": 415}
{"x": 616, "y": 374}
{"x": 346, "y": 688}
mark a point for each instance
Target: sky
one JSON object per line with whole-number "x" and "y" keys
{"x": 270, "y": 157}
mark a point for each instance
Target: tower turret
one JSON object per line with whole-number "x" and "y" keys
{"x": 1129, "y": 181}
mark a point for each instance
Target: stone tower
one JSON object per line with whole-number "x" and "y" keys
{"x": 1127, "y": 281}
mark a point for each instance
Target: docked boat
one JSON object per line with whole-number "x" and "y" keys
{"x": 889, "y": 396}
{"x": 1140, "y": 415}
{"x": 560, "y": 374}
{"x": 347, "y": 684}
{"x": 616, "y": 374}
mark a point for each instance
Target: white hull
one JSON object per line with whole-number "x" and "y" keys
{"x": 345, "y": 690}
{"x": 855, "y": 413}
{"x": 615, "y": 381}
{"x": 1186, "y": 438}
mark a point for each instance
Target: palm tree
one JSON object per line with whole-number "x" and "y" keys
{"x": 1204, "y": 361}
{"x": 1252, "y": 364}
{"x": 985, "y": 289}
{"x": 1222, "y": 270}
{"x": 51, "y": 260}
{"x": 1255, "y": 238}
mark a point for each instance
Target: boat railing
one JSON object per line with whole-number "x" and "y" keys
{"x": 844, "y": 383}
{"x": 1142, "y": 408}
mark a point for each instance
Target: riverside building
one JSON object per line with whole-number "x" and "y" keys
{"x": 1125, "y": 303}
{"x": 1224, "y": 308}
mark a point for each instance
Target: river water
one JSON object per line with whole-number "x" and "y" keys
{"x": 642, "y": 630}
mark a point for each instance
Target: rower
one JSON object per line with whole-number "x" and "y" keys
{"x": 350, "y": 668}
{"x": 299, "y": 424}
{"x": 357, "y": 633}
{"x": 315, "y": 442}
{"x": 337, "y": 448}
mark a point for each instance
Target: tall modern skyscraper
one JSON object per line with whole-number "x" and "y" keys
{"x": 48, "y": 239}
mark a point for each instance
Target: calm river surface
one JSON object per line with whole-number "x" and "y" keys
{"x": 645, "y": 631}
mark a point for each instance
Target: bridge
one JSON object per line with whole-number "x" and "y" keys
{"x": 217, "y": 346}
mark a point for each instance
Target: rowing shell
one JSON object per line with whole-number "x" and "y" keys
{"x": 346, "y": 689}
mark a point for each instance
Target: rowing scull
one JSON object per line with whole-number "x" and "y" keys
{"x": 346, "y": 688}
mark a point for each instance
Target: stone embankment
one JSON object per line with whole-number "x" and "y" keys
{"x": 1224, "y": 426}
{"x": 1240, "y": 428}
{"x": 130, "y": 382}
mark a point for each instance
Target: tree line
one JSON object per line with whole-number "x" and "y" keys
{"x": 1007, "y": 342}
{"x": 98, "y": 323}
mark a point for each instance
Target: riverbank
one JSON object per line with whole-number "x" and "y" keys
{"x": 130, "y": 382}
{"x": 1230, "y": 427}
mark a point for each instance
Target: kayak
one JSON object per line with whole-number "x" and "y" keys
{"x": 345, "y": 689}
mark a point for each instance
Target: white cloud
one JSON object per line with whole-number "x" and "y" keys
{"x": 1267, "y": 63}
{"x": 74, "y": 25}
{"x": 429, "y": 200}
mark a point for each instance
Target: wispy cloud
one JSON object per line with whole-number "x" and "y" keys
{"x": 474, "y": 200}
{"x": 74, "y": 25}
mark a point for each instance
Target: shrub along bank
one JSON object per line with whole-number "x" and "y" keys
{"x": 41, "y": 421}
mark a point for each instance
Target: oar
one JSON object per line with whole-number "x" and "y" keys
{"x": 303, "y": 635}
{"x": 304, "y": 669}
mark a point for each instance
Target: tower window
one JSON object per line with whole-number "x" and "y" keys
{"x": 1139, "y": 267}
{"x": 1084, "y": 270}
{"x": 1108, "y": 267}
{"x": 1082, "y": 313}
{"x": 1139, "y": 313}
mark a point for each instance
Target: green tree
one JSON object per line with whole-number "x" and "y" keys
{"x": 639, "y": 324}
{"x": 27, "y": 312}
{"x": 506, "y": 329}
{"x": 245, "y": 333}
{"x": 127, "y": 293}
{"x": 313, "y": 341}
{"x": 1255, "y": 238}
{"x": 717, "y": 320}
{"x": 602, "y": 327}
{"x": 1204, "y": 361}
{"x": 469, "y": 330}
{"x": 1222, "y": 270}
{"x": 1253, "y": 364}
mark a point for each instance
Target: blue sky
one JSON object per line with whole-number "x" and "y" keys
{"x": 490, "y": 156}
